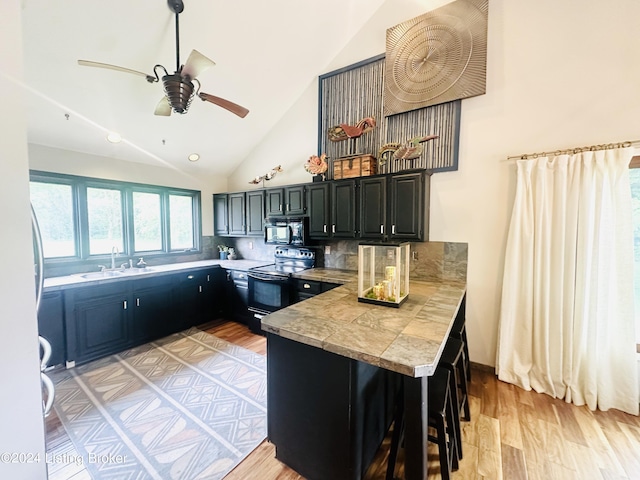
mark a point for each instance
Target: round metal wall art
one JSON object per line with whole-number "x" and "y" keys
{"x": 437, "y": 57}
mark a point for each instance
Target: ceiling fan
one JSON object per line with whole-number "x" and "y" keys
{"x": 179, "y": 86}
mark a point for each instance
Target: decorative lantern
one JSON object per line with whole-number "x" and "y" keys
{"x": 383, "y": 273}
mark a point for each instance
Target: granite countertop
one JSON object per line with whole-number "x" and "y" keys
{"x": 408, "y": 340}
{"x": 77, "y": 280}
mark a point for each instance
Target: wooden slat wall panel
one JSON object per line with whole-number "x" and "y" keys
{"x": 353, "y": 93}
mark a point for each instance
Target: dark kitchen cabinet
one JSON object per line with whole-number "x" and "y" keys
{"x": 319, "y": 209}
{"x": 407, "y": 200}
{"x": 343, "y": 209}
{"x": 51, "y": 325}
{"x": 97, "y": 321}
{"x": 153, "y": 309}
{"x": 255, "y": 213}
{"x": 237, "y": 221}
{"x": 372, "y": 198}
{"x": 332, "y": 209}
{"x": 196, "y": 292}
{"x": 220, "y": 214}
{"x": 303, "y": 289}
{"x": 285, "y": 201}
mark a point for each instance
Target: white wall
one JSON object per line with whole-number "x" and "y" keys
{"x": 560, "y": 74}
{"x": 21, "y": 421}
{"x": 65, "y": 161}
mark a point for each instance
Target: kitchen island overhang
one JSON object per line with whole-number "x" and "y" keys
{"x": 397, "y": 346}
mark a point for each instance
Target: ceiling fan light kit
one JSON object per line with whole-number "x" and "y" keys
{"x": 178, "y": 87}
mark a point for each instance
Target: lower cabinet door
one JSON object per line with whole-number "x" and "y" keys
{"x": 153, "y": 309}
{"x": 97, "y": 321}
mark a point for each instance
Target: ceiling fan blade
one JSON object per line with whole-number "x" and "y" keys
{"x": 226, "y": 104}
{"x": 196, "y": 64}
{"x": 88, "y": 63}
{"x": 163, "y": 108}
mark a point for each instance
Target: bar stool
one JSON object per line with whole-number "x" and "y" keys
{"x": 452, "y": 359}
{"x": 459, "y": 331}
{"x": 441, "y": 418}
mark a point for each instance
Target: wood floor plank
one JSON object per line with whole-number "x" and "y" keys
{"x": 570, "y": 426}
{"x": 507, "y": 412}
{"x": 513, "y": 463}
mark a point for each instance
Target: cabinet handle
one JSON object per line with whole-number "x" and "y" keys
{"x": 124, "y": 305}
{"x": 280, "y": 208}
{"x": 393, "y": 229}
{"x": 190, "y": 277}
{"x": 208, "y": 278}
{"x": 200, "y": 288}
{"x": 137, "y": 302}
{"x": 333, "y": 228}
{"x": 288, "y": 207}
{"x": 324, "y": 228}
{"x": 381, "y": 228}
{"x": 228, "y": 276}
{"x": 306, "y": 285}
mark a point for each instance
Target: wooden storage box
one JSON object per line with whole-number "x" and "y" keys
{"x": 351, "y": 167}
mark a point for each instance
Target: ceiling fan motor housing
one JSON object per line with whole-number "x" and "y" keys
{"x": 179, "y": 91}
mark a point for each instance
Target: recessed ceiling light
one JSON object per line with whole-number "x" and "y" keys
{"x": 114, "y": 137}
{"x": 194, "y": 157}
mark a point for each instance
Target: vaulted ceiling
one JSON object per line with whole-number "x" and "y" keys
{"x": 266, "y": 52}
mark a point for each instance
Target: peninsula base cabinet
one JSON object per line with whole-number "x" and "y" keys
{"x": 101, "y": 320}
{"x": 51, "y": 325}
{"x": 352, "y": 404}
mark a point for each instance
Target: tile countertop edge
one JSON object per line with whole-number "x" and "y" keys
{"x": 383, "y": 360}
{"x": 52, "y": 284}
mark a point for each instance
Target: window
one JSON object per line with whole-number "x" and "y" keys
{"x": 181, "y": 222}
{"x": 104, "y": 211}
{"x": 147, "y": 222}
{"x": 53, "y": 204}
{"x": 85, "y": 218}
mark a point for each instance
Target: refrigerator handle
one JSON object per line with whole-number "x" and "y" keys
{"x": 46, "y": 352}
{"x": 51, "y": 393}
{"x": 40, "y": 260}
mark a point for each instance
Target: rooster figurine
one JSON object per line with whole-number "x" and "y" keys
{"x": 409, "y": 151}
{"x": 343, "y": 131}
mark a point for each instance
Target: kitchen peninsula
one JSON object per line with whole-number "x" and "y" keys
{"x": 336, "y": 365}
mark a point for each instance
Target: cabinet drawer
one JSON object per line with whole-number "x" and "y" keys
{"x": 239, "y": 276}
{"x": 307, "y": 286}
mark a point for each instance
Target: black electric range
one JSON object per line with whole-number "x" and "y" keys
{"x": 269, "y": 288}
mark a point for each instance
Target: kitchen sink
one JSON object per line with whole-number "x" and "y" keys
{"x": 105, "y": 274}
{"x": 135, "y": 271}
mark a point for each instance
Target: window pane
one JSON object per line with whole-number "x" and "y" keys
{"x": 104, "y": 207}
{"x": 181, "y": 222}
{"x": 53, "y": 204}
{"x": 146, "y": 221}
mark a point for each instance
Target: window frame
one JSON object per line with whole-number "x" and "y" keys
{"x": 635, "y": 163}
{"x": 79, "y": 185}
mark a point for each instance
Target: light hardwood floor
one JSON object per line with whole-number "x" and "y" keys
{"x": 513, "y": 435}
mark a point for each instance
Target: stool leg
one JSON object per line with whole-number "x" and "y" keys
{"x": 443, "y": 449}
{"x": 464, "y": 390}
{"x": 398, "y": 431}
{"x": 455, "y": 400}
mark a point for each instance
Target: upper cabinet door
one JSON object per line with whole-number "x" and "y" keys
{"x": 255, "y": 213}
{"x": 372, "y": 197}
{"x": 237, "y": 225}
{"x": 343, "y": 209}
{"x": 274, "y": 199}
{"x": 407, "y": 206}
{"x": 294, "y": 200}
{"x": 221, "y": 214}
{"x": 318, "y": 204}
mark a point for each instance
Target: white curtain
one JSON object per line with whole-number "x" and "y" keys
{"x": 567, "y": 324}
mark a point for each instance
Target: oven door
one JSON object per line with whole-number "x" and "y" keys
{"x": 267, "y": 293}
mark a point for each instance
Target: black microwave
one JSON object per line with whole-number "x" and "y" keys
{"x": 286, "y": 231}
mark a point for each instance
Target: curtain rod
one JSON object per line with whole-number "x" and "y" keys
{"x": 591, "y": 148}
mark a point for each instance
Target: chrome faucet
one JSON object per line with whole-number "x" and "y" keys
{"x": 114, "y": 253}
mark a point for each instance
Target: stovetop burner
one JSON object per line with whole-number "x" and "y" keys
{"x": 289, "y": 260}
